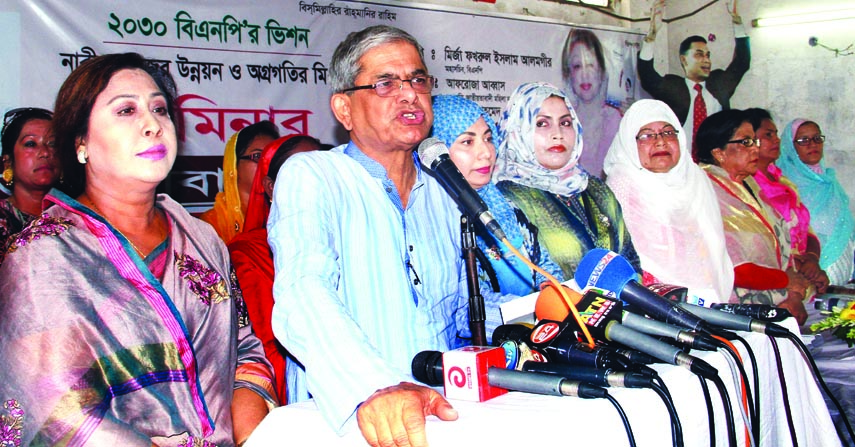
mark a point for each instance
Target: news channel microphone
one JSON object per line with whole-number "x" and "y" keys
{"x": 762, "y": 312}
{"x": 463, "y": 371}
{"x": 434, "y": 154}
{"x": 602, "y": 315}
{"x": 550, "y": 306}
{"x": 735, "y": 322}
{"x": 608, "y": 270}
{"x": 477, "y": 373}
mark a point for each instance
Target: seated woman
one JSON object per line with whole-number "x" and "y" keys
{"x": 469, "y": 134}
{"x": 583, "y": 67}
{"x": 538, "y": 171}
{"x": 802, "y": 146}
{"x": 240, "y": 161}
{"x": 779, "y": 193}
{"x": 757, "y": 242}
{"x": 250, "y": 253}
{"x": 130, "y": 329}
{"x": 30, "y": 167}
{"x": 668, "y": 204}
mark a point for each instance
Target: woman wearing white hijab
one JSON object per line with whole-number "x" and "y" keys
{"x": 668, "y": 204}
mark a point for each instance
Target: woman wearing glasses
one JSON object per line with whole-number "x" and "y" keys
{"x": 30, "y": 167}
{"x": 757, "y": 240}
{"x": 668, "y": 204}
{"x": 801, "y": 161}
{"x": 240, "y": 161}
{"x": 780, "y": 193}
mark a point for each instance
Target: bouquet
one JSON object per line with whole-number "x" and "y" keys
{"x": 841, "y": 323}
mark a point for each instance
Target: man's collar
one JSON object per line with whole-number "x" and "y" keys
{"x": 374, "y": 168}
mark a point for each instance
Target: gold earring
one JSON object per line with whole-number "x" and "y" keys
{"x": 82, "y": 158}
{"x": 8, "y": 176}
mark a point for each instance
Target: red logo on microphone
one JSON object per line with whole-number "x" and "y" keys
{"x": 544, "y": 332}
{"x": 457, "y": 377}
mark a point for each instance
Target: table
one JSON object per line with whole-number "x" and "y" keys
{"x": 526, "y": 418}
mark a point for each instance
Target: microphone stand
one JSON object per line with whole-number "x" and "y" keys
{"x": 477, "y": 313}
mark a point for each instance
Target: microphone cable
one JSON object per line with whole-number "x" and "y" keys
{"x": 710, "y": 415}
{"x": 784, "y": 393}
{"x": 756, "y": 375}
{"x": 818, "y": 377}
{"x": 740, "y": 382}
{"x": 728, "y": 410}
{"x": 676, "y": 425}
{"x": 623, "y": 419}
{"x": 561, "y": 292}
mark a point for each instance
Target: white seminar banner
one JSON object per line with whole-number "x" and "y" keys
{"x": 236, "y": 64}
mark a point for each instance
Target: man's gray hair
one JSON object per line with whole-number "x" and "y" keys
{"x": 344, "y": 66}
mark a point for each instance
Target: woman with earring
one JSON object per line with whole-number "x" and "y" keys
{"x": 123, "y": 323}
{"x": 30, "y": 167}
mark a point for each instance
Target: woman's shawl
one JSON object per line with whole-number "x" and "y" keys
{"x": 753, "y": 232}
{"x": 96, "y": 350}
{"x": 783, "y": 196}
{"x": 226, "y": 216}
{"x": 831, "y": 218}
{"x": 517, "y": 161}
{"x": 453, "y": 115}
{"x": 673, "y": 217}
{"x": 572, "y": 226}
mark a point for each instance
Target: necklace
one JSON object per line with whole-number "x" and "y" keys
{"x": 101, "y": 213}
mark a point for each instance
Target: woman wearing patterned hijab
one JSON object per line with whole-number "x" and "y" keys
{"x": 538, "y": 171}
{"x": 801, "y": 161}
{"x": 469, "y": 134}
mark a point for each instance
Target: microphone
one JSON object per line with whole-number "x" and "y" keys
{"x": 550, "y": 306}
{"x": 736, "y": 322}
{"x": 762, "y": 312}
{"x": 594, "y": 376}
{"x": 476, "y": 373}
{"x": 537, "y": 383}
{"x": 434, "y": 154}
{"x": 608, "y": 270}
{"x": 462, "y": 371}
{"x": 602, "y": 321}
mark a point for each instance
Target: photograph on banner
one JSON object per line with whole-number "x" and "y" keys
{"x": 237, "y": 64}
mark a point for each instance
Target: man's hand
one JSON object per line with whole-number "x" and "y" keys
{"x": 737, "y": 19}
{"x": 795, "y": 304}
{"x": 655, "y": 16}
{"x": 395, "y": 416}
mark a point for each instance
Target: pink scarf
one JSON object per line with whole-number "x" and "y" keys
{"x": 785, "y": 200}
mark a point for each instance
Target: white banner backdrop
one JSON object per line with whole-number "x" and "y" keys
{"x": 238, "y": 64}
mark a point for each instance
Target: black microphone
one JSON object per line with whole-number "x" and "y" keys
{"x": 594, "y": 376}
{"x": 434, "y": 154}
{"x": 736, "y": 322}
{"x": 603, "y": 314}
{"x": 762, "y": 312}
{"x": 428, "y": 367}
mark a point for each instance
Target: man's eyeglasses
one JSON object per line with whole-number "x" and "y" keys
{"x": 391, "y": 87}
{"x": 650, "y": 137}
{"x": 747, "y": 142}
{"x": 253, "y": 157}
{"x": 804, "y": 141}
{"x": 14, "y": 114}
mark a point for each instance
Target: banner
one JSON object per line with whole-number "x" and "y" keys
{"x": 236, "y": 64}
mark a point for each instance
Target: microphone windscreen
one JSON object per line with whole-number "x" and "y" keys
{"x": 427, "y": 368}
{"x": 550, "y": 305}
{"x": 604, "y": 269}
{"x": 430, "y": 150}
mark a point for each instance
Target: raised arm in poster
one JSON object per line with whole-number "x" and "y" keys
{"x": 583, "y": 66}
{"x": 703, "y": 91}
